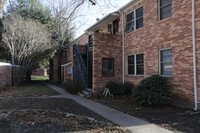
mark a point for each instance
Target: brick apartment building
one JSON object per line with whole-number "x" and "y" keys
{"x": 143, "y": 38}
{"x": 6, "y": 74}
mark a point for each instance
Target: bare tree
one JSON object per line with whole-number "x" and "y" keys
{"x": 63, "y": 13}
{"x": 27, "y": 41}
{"x": 2, "y": 3}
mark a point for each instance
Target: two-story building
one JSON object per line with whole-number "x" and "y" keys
{"x": 143, "y": 38}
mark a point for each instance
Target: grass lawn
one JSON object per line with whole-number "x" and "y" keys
{"x": 34, "y": 77}
{"x": 33, "y": 88}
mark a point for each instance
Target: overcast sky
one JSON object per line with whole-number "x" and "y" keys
{"x": 97, "y": 11}
{"x": 89, "y": 13}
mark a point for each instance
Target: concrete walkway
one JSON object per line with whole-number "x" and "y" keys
{"x": 125, "y": 121}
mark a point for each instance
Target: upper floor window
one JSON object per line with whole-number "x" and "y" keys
{"x": 113, "y": 28}
{"x": 134, "y": 20}
{"x": 110, "y": 28}
{"x": 136, "y": 64}
{"x": 166, "y": 62}
{"x": 116, "y": 26}
{"x": 165, "y": 9}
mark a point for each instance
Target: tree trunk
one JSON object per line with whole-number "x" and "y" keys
{"x": 28, "y": 76}
{"x": 2, "y": 3}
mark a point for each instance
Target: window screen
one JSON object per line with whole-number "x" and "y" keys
{"x": 166, "y": 62}
{"x": 108, "y": 67}
{"x": 165, "y": 9}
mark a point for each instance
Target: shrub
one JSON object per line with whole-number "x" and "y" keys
{"x": 119, "y": 88}
{"x": 114, "y": 88}
{"x": 73, "y": 88}
{"x": 150, "y": 91}
{"x": 127, "y": 87}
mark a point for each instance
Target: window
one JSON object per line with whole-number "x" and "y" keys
{"x": 166, "y": 62}
{"x": 68, "y": 52}
{"x": 139, "y": 18}
{"x": 136, "y": 64}
{"x": 116, "y": 26}
{"x": 139, "y": 64}
{"x": 134, "y": 20}
{"x": 69, "y": 70}
{"x": 110, "y": 28}
{"x": 165, "y": 9}
{"x": 107, "y": 67}
{"x": 113, "y": 28}
{"x": 131, "y": 64}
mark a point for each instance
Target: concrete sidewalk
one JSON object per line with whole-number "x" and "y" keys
{"x": 125, "y": 121}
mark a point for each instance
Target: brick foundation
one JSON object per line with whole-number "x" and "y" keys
{"x": 5, "y": 76}
{"x": 106, "y": 46}
{"x": 41, "y": 72}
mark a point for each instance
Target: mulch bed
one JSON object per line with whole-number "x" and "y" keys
{"x": 35, "y": 115}
{"x": 169, "y": 117}
{"x": 40, "y": 121}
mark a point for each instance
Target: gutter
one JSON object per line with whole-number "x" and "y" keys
{"x": 194, "y": 56}
{"x": 101, "y": 20}
{"x": 123, "y": 64}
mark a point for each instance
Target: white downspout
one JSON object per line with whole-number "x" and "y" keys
{"x": 123, "y": 47}
{"x": 194, "y": 56}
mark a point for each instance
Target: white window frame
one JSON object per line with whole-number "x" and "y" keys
{"x": 160, "y": 63}
{"x": 159, "y": 18}
{"x": 135, "y": 19}
{"x": 135, "y": 65}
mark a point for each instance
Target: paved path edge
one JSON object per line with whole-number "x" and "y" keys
{"x": 125, "y": 121}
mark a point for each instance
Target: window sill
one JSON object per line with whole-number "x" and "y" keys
{"x": 107, "y": 76}
{"x": 135, "y": 75}
{"x": 167, "y": 76}
{"x": 127, "y": 32}
{"x": 164, "y": 20}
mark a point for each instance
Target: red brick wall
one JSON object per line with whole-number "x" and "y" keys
{"x": 106, "y": 46}
{"x": 82, "y": 49}
{"x": 82, "y": 40}
{"x": 61, "y": 57}
{"x": 70, "y": 53}
{"x": 175, "y": 33}
{"x": 40, "y": 72}
{"x": 56, "y": 69}
{"x": 5, "y": 75}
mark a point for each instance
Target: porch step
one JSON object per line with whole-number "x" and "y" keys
{"x": 89, "y": 89}
{"x": 81, "y": 94}
{"x": 86, "y": 93}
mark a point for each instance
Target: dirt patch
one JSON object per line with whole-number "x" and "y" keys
{"x": 40, "y": 121}
{"x": 169, "y": 117}
{"x": 58, "y": 104}
{"x": 50, "y": 116}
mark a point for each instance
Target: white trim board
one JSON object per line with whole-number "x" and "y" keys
{"x": 66, "y": 64}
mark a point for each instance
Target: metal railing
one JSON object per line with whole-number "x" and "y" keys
{"x": 81, "y": 65}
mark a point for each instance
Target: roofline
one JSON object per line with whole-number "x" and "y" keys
{"x": 125, "y": 6}
{"x": 108, "y": 15}
{"x": 8, "y": 64}
{"x": 77, "y": 38}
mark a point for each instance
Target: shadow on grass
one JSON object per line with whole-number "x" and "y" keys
{"x": 32, "y": 88}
